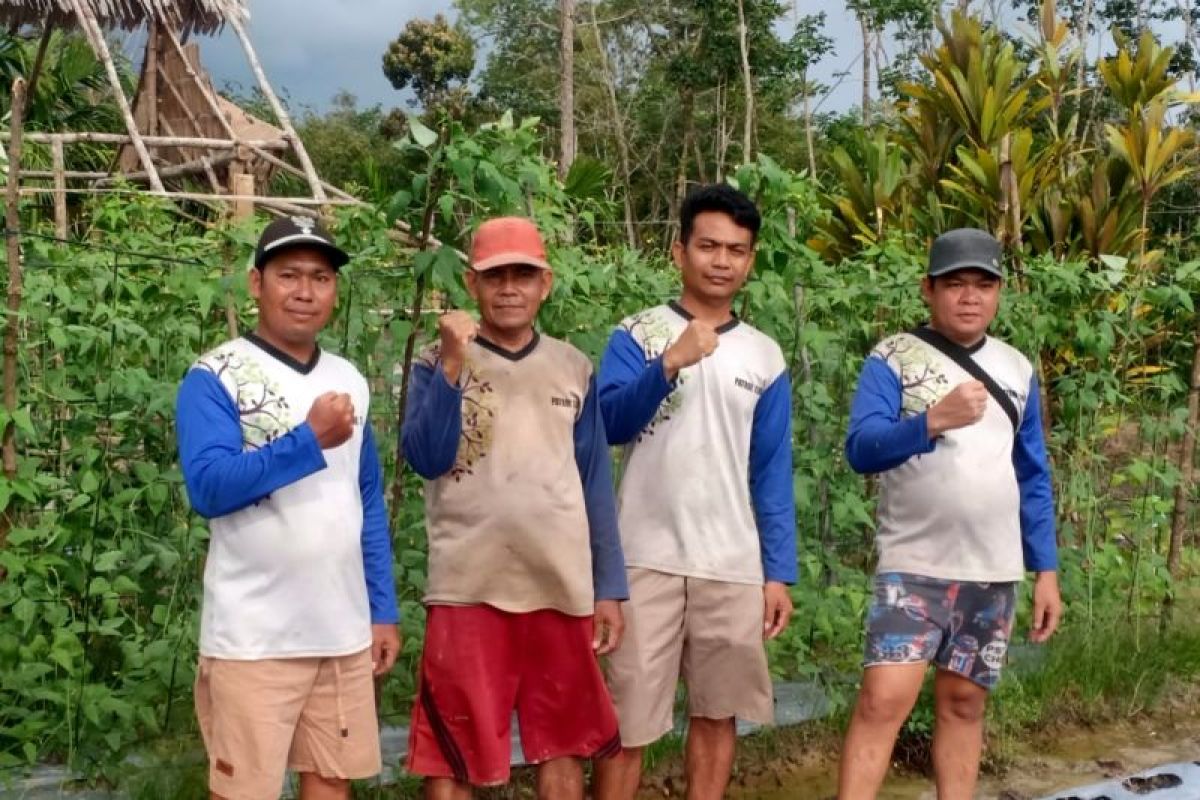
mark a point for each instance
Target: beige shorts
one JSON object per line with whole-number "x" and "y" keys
{"x": 710, "y": 633}
{"x": 310, "y": 714}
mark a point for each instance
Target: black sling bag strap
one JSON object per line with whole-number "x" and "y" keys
{"x": 961, "y": 356}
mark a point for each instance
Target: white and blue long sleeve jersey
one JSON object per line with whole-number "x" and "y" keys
{"x": 300, "y": 559}
{"x": 706, "y": 486}
{"x": 976, "y": 503}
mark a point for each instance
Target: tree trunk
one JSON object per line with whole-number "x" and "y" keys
{"x": 1187, "y": 461}
{"x": 866, "y": 69}
{"x": 808, "y": 128}
{"x": 747, "y": 86}
{"x": 619, "y": 124}
{"x": 566, "y": 87}
{"x": 688, "y": 114}
{"x": 12, "y": 221}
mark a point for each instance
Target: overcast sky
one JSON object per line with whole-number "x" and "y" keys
{"x": 311, "y": 49}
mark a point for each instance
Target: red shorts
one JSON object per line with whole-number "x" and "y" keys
{"x": 479, "y": 664}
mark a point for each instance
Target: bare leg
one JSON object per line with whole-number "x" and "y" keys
{"x": 884, "y": 702}
{"x": 316, "y": 787}
{"x": 958, "y": 736}
{"x": 446, "y": 789}
{"x": 617, "y": 778}
{"x": 710, "y": 746}
{"x": 560, "y": 779}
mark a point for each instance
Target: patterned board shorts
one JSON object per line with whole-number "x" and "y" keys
{"x": 962, "y": 627}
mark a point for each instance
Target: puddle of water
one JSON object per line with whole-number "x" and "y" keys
{"x": 1047, "y": 766}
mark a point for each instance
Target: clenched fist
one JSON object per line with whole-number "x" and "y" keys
{"x": 457, "y": 329}
{"x": 698, "y": 340}
{"x": 962, "y": 407}
{"x": 332, "y": 419}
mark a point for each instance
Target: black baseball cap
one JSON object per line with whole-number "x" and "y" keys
{"x": 965, "y": 248}
{"x": 297, "y": 231}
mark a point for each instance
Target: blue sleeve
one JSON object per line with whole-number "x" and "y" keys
{"x": 432, "y": 422}
{"x": 878, "y": 438}
{"x": 772, "y": 488}
{"x": 221, "y": 476}
{"x": 1032, "y": 467}
{"x": 376, "y": 539}
{"x": 630, "y": 389}
{"x": 595, "y": 472}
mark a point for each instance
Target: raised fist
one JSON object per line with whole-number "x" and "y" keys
{"x": 962, "y": 407}
{"x": 698, "y": 340}
{"x": 457, "y": 329}
{"x": 332, "y": 419}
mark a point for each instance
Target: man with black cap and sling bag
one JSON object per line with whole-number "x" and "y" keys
{"x": 299, "y": 609}
{"x": 949, "y": 419}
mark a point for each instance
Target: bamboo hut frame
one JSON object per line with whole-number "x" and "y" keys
{"x": 168, "y": 22}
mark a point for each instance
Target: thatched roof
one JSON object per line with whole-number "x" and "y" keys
{"x": 186, "y": 16}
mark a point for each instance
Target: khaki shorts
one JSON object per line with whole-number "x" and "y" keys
{"x": 710, "y": 633}
{"x": 310, "y": 714}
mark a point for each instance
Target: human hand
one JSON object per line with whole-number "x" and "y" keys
{"x": 457, "y": 329}
{"x": 331, "y": 418}
{"x": 961, "y": 407}
{"x": 609, "y": 625}
{"x": 385, "y": 646}
{"x": 777, "y": 608}
{"x": 1047, "y": 607}
{"x": 698, "y": 340}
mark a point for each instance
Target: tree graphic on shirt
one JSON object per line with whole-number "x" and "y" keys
{"x": 922, "y": 380}
{"x": 653, "y": 334}
{"x": 478, "y": 414}
{"x": 263, "y": 412}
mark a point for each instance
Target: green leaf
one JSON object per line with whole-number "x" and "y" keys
{"x": 421, "y": 134}
{"x": 24, "y": 422}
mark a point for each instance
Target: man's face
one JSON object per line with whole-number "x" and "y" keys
{"x": 963, "y": 304}
{"x": 296, "y": 292}
{"x": 717, "y": 257}
{"x": 509, "y": 296}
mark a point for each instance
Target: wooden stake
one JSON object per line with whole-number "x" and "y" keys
{"x": 285, "y": 122}
{"x": 150, "y": 75}
{"x": 95, "y": 37}
{"x": 1187, "y": 464}
{"x": 12, "y": 222}
{"x": 152, "y": 141}
{"x": 60, "y": 189}
{"x": 241, "y": 184}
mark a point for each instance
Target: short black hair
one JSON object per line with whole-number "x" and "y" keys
{"x": 719, "y": 197}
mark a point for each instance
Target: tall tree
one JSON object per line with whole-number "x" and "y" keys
{"x": 434, "y": 58}
{"x": 566, "y": 86}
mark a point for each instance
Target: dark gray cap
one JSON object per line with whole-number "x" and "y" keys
{"x": 965, "y": 248}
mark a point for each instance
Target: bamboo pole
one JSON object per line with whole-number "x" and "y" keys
{"x": 95, "y": 36}
{"x": 150, "y": 73}
{"x": 186, "y": 168}
{"x": 12, "y": 222}
{"x": 150, "y": 141}
{"x": 240, "y": 183}
{"x": 281, "y": 114}
{"x": 213, "y": 106}
{"x": 60, "y": 189}
{"x": 197, "y": 196}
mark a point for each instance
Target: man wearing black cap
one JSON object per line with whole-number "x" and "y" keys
{"x": 299, "y": 606}
{"x": 949, "y": 419}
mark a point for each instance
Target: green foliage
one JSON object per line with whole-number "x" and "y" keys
{"x": 98, "y": 609}
{"x": 429, "y": 56}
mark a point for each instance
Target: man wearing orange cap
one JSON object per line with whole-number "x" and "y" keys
{"x": 526, "y": 572}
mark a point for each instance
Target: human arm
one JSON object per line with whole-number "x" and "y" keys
{"x": 878, "y": 438}
{"x": 221, "y": 476}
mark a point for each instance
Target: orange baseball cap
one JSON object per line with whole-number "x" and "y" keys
{"x": 507, "y": 240}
